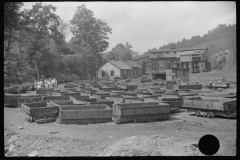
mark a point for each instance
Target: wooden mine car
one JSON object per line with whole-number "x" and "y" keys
{"x": 67, "y": 95}
{"x": 84, "y": 114}
{"x": 147, "y": 96}
{"x": 11, "y": 100}
{"x": 187, "y": 94}
{"x": 158, "y": 91}
{"x": 106, "y": 89}
{"x": 218, "y": 83}
{"x": 140, "y": 112}
{"x": 99, "y": 101}
{"x": 45, "y": 91}
{"x": 127, "y": 87}
{"x": 115, "y": 99}
{"x": 71, "y": 89}
{"x": 134, "y": 100}
{"x": 106, "y": 94}
{"x": 11, "y": 89}
{"x": 191, "y": 86}
{"x": 175, "y": 102}
{"x": 211, "y": 106}
{"x": 68, "y": 102}
{"x": 80, "y": 98}
{"x": 70, "y": 86}
{"x": 58, "y": 92}
{"x": 121, "y": 99}
{"x": 51, "y": 98}
{"x": 29, "y": 98}
{"x": 141, "y": 89}
{"x": 221, "y": 85}
{"x": 141, "y": 92}
{"x": 40, "y": 111}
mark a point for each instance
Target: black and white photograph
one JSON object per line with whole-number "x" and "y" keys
{"x": 120, "y": 79}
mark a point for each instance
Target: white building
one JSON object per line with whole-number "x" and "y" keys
{"x": 121, "y": 69}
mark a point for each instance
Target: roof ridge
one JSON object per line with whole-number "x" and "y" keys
{"x": 119, "y": 64}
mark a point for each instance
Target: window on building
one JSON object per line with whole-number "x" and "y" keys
{"x": 112, "y": 73}
{"x": 103, "y": 73}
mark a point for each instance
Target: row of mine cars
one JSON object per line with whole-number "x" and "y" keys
{"x": 87, "y": 102}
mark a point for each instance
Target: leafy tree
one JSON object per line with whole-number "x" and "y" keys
{"x": 128, "y": 46}
{"x": 173, "y": 46}
{"x": 90, "y": 35}
{"x": 16, "y": 68}
{"x": 41, "y": 25}
{"x": 11, "y": 18}
{"x": 120, "y": 52}
{"x": 63, "y": 28}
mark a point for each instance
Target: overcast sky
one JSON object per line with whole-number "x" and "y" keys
{"x": 146, "y": 25}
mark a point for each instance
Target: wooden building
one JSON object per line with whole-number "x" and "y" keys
{"x": 136, "y": 68}
{"x": 174, "y": 73}
{"x": 122, "y": 69}
{"x": 156, "y": 62}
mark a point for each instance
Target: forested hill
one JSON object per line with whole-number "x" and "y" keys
{"x": 219, "y": 38}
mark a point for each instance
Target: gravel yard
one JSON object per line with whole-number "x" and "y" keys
{"x": 169, "y": 137}
{"x": 176, "y": 136}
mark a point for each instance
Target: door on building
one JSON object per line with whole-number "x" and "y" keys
{"x": 103, "y": 73}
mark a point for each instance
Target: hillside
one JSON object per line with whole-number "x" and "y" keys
{"x": 220, "y": 38}
{"x": 214, "y": 45}
{"x": 218, "y": 44}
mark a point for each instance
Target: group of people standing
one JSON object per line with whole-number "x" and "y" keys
{"x": 47, "y": 83}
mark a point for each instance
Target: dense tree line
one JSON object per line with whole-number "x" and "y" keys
{"x": 220, "y": 31}
{"x": 35, "y": 46}
{"x": 120, "y": 52}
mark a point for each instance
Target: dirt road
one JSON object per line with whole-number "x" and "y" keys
{"x": 169, "y": 137}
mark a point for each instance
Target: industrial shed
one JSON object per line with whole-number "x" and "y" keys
{"x": 123, "y": 69}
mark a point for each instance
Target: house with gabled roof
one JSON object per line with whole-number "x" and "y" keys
{"x": 123, "y": 69}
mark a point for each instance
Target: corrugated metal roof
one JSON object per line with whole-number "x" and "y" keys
{"x": 120, "y": 65}
{"x": 131, "y": 64}
{"x": 177, "y": 50}
{"x": 141, "y": 57}
{"x": 196, "y": 52}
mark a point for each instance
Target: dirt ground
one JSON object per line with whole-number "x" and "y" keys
{"x": 176, "y": 136}
{"x": 168, "y": 137}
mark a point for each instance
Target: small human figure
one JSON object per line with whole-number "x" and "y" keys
{"x": 210, "y": 85}
{"x": 46, "y": 83}
{"x": 35, "y": 84}
{"x": 39, "y": 84}
{"x": 50, "y": 83}
{"x": 55, "y": 81}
